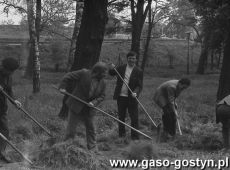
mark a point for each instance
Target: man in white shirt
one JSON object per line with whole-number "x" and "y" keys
{"x": 133, "y": 76}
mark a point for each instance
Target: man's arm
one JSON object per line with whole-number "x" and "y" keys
{"x": 112, "y": 71}
{"x": 171, "y": 99}
{"x": 9, "y": 91}
{"x": 69, "y": 78}
{"x": 101, "y": 97}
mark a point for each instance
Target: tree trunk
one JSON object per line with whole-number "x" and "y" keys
{"x": 73, "y": 40}
{"x": 38, "y": 19}
{"x": 30, "y": 65}
{"x": 150, "y": 27}
{"x": 203, "y": 57}
{"x": 192, "y": 55}
{"x": 138, "y": 20}
{"x": 91, "y": 34}
{"x": 224, "y": 81}
{"x": 218, "y": 59}
{"x": 34, "y": 49}
{"x": 212, "y": 59}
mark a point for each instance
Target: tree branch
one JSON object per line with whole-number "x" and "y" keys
{"x": 9, "y": 5}
{"x": 57, "y": 33}
{"x": 111, "y": 2}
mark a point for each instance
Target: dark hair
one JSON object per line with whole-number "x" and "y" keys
{"x": 185, "y": 81}
{"x": 10, "y": 64}
{"x": 99, "y": 68}
{"x": 131, "y": 53}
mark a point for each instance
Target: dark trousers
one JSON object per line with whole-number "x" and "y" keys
{"x": 87, "y": 117}
{"x": 3, "y": 130}
{"x": 131, "y": 104}
{"x": 223, "y": 112}
{"x": 169, "y": 120}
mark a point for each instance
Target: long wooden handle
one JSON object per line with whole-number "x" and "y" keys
{"x": 23, "y": 110}
{"x": 16, "y": 149}
{"x": 178, "y": 124}
{"x": 135, "y": 97}
{"x": 96, "y": 108}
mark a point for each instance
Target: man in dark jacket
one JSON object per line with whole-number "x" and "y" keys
{"x": 9, "y": 65}
{"x": 90, "y": 87}
{"x": 133, "y": 76}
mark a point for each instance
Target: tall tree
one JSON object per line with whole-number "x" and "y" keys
{"x": 159, "y": 11}
{"x": 34, "y": 49}
{"x": 72, "y": 47}
{"x": 138, "y": 13}
{"x": 224, "y": 81}
{"x": 220, "y": 22}
{"x": 204, "y": 55}
{"x": 91, "y": 34}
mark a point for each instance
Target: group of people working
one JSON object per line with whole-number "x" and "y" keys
{"x": 90, "y": 86}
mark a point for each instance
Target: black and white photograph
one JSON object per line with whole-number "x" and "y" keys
{"x": 114, "y": 84}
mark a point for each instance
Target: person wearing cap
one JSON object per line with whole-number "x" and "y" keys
{"x": 126, "y": 100}
{"x": 90, "y": 87}
{"x": 165, "y": 97}
{"x": 223, "y": 116}
{"x": 7, "y": 68}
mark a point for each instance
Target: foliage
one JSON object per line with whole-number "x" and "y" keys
{"x": 215, "y": 17}
{"x": 118, "y": 6}
{"x": 113, "y": 25}
{"x": 58, "y": 51}
{"x": 55, "y": 14}
{"x": 181, "y": 17}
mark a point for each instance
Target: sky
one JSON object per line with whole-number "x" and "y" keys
{"x": 12, "y": 16}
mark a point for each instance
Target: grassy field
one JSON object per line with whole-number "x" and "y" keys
{"x": 201, "y": 136}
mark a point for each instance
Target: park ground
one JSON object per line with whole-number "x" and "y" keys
{"x": 201, "y": 135}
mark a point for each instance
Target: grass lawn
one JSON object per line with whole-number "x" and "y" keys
{"x": 201, "y": 135}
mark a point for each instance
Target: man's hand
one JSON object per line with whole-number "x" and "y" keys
{"x": 134, "y": 95}
{"x": 62, "y": 90}
{"x": 1, "y": 88}
{"x": 91, "y": 104}
{"x": 18, "y": 104}
{"x": 111, "y": 65}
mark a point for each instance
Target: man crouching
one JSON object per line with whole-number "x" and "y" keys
{"x": 165, "y": 97}
{"x": 90, "y": 87}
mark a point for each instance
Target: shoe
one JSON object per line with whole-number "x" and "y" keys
{"x": 4, "y": 159}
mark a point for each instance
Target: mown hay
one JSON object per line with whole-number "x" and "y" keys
{"x": 71, "y": 155}
{"x": 200, "y": 136}
{"x": 142, "y": 150}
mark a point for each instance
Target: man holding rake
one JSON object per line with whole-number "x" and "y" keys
{"x": 9, "y": 65}
{"x": 126, "y": 92}
{"x": 165, "y": 97}
{"x": 89, "y": 87}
